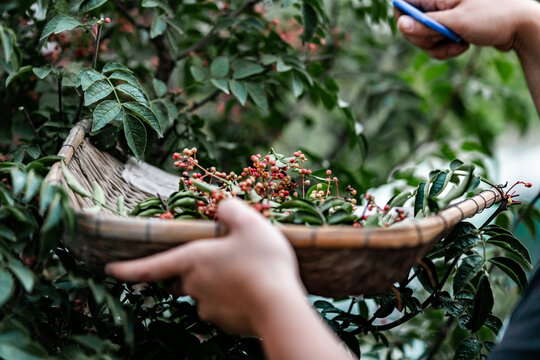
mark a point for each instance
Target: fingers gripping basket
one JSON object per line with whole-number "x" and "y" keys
{"x": 334, "y": 260}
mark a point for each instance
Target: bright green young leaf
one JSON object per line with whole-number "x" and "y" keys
{"x": 239, "y": 90}
{"x": 73, "y": 183}
{"x": 59, "y": 24}
{"x": 135, "y": 135}
{"x": 505, "y": 69}
{"x": 134, "y": 92}
{"x": 159, "y": 87}
{"x": 158, "y": 26}
{"x": 145, "y": 114}
{"x": 97, "y": 91}
{"x": 7, "y": 286}
{"x": 221, "y": 84}
{"x": 104, "y": 113}
{"x": 219, "y": 67}
{"x": 98, "y": 195}
{"x": 257, "y": 94}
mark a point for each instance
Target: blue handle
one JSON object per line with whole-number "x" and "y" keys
{"x": 421, "y": 17}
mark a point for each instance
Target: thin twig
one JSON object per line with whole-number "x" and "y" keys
{"x": 29, "y": 120}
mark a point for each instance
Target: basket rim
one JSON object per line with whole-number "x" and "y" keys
{"x": 411, "y": 234}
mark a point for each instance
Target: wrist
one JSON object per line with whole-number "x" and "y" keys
{"x": 527, "y": 37}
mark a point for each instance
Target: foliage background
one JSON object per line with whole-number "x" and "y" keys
{"x": 331, "y": 78}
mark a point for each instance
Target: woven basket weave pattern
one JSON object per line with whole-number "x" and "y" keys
{"x": 333, "y": 260}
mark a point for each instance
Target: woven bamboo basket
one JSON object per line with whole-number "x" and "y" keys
{"x": 334, "y": 260}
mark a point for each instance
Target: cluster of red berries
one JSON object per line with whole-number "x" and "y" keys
{"x": 270, "y": 178}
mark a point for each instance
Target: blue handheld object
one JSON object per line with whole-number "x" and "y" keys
{"x": 421, "y": 17}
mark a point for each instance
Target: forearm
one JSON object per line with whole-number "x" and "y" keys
{"x": 528, "y": 49}
{"x": 291, "y": 329}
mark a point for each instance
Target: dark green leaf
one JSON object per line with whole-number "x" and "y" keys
{"x": 89, "y": 5}
{"x": 467, "y": 270}
{"x": 419, "y": 202}
{"x": 512, "y": 269}
{"x": 59, "y": 24}
{"x": 438, "y": 184}
{"x": 483, "y": 303}
{"x": 126, "y": 77}
{"x": 114, "y": 66}
{"x": 134, "y": 92}
{"x": 32, "y": 186}
{"x": 311, "y": 21}
{"x": 145, "y": 114}
{"x": 512, "y": 245}
{"x": 468, "y": 349}
{"x": 104, "y": 113}
{"x": 97, "y": 91}
{"x": 87, "y": 77}
{"x": 198, "y": 74}
{"x": 221, "y": 84}
{"x": 135, "y": 135}
{"x": 25, "y": 276}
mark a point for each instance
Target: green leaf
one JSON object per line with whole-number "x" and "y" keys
{"x": 438, "y": 184}
{"x": 298, "y": 86}
{"x": 59, "y": 24}
{"x": 159, "y": 87}
{"x": 104, "y": 113}
{"x": 158, "y": 26}
{"x": 197, "y": 73}
{"x": 8, "y": 234}
{"x": 257, "y": 94}
{"x": 419, "y": 202}
{"x": 221, "y": 84}
{"x": 97, "y": 91}
{"x": 135, "y": 135}
{"x": 469, "y": 349}
{"x": 46, "y": 195}
{"x": 98, "y": 195}
{"x": 126, "y": 77}
{"x": 18, "y": 180}
{"x": 54, "y": 214}
{"x": 25, "y": 276}
{"x": 87, "y": 77}
{"x": 483, "y": 304}
{"x": 144, "y": 113}
{"x": 219, "y": 67}
{"x": 244, "y": 69}
{"x": 311, "y": 21}
{"x": 33, "y": 183}
{"x": 134, "y": 92}
{"x": 400, "y": 199}
{"x": 42, "y": 72}
{"x": 512, "y": 269}
{"x": 114, "y": 66}
{"x": 17, "y": 74}
{"x": 455, "y": 164}
{"x": 73, "y": 183}
{"x": 239, "y": 90}
{"x": 91, "y": 5}
{"x": 505, "y": 69}
{"x": 467, "y": 270}
{"x": 513, "y": 246}
{"x": 7, "y": 286}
